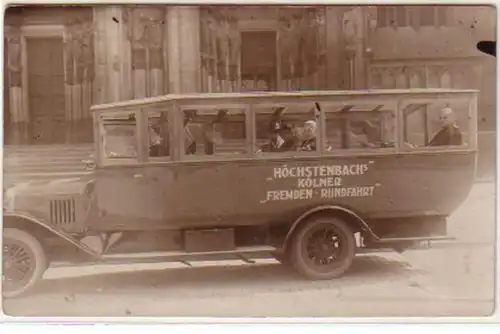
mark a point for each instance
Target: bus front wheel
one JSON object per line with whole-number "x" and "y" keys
{"x": 24, "y": 262}
{"x": 323, "y": 248}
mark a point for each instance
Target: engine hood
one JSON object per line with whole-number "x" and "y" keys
{"x": 32, "y": 192}
{"x": 72, "y": 186}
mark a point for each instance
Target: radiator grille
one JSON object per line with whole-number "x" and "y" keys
{"x": 62, "y": 211}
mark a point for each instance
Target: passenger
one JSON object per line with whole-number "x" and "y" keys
{"x": 291, "y": 139}
{"x": 315, "y": 112}
{"x": 154, "y": 142}
{"x": 308, "y": 136}
{"x": 189, "y": 141}
{"x": 450, "y": 133}
{"x": 211, "y": 130}
{"x": 276, "y": 127}
{"x": 367, "y": 136}
{"x": 164, "y": 150}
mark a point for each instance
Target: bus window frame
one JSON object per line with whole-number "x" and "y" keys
{"x": 174, "y": 104}
{"x": 167, "y": 108}
{"x": 215, "y": 107}
{"x": 326, "y": 108}
{"x": 100, "y": 133}
{"x": 287, "y": 154}
{"x": 471, "y": 138}
{"x": 140, "y": 110}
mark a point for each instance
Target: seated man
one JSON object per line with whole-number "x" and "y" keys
{"x": 308, "y": 136}
{"x": 450, "y": 133}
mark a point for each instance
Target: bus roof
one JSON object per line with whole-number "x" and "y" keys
{"x": 215, "y": 97}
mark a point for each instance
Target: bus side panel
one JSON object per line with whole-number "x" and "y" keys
{"x": 429, "y": 184}
{"x": 259, "y": 192}
{"x": 211, "y": 194}
{"x": 132, "y": 198}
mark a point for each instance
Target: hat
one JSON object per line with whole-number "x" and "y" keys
{"x": 311, "y": 123}
{"x": 278, "y": 110}
{"x": 447, "y": 110}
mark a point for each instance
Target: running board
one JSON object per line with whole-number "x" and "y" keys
{"x": 416, "y": 239}
{"x": 241, "y": 253}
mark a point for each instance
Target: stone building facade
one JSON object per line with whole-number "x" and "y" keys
{"x": 61, "y": 60}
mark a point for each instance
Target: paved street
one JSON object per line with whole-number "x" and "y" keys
{"x": 440, "y": 282}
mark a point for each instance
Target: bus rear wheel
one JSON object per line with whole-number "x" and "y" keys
{"x": 24, "y": 262}
{"x": 323, "y": 248}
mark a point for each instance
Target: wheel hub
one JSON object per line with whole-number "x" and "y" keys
{"x": 17, "y": 265}
{"x": 323, "y": 247}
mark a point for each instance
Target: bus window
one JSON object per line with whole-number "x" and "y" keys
{"x": 436, "y": 124}
{"x": 158, "y": 134}
{"x": 360, "y": 126}
{"x": 119, "y": 135}
{"x": 214, "y": 132}
{"x": 281, "y": 128}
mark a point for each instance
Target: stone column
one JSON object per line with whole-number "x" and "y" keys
{"x": 111, "y": 81}
{"x": 18, "y": 111}
{"x": 354, "y": 31}
{"x": 80, "y": 70}
{"x": 335, "y": 56}
{"x": 183, "y": 49}
{"x": 147, "y": 29}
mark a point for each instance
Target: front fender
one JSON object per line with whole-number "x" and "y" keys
{"x": 47, "y": 227}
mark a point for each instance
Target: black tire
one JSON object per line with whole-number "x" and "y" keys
{"x": 313, "y": 258}
{"x": 21, "y": 250}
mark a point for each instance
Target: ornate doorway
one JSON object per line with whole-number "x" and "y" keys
{"x": 258, "y": 61}
{"x": 46, "y": 94}
{"x": 262, "y": 48}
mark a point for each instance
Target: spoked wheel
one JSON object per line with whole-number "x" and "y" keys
{"x": 323, "y": 248}
{"x": 24, "y": 262}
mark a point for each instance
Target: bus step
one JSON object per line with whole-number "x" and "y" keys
{"x": 246, "y": 260}
{"x": 186, "y": 263}
{"x": 409, "y": 239}
{"x": 182, "y": 256}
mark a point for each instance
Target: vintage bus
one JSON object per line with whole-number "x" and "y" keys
{"x": 309, "y": 178}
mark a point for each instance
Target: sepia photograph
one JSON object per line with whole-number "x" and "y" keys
{"x": 165, "y": 160}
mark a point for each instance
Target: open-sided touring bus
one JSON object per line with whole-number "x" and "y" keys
{"x": 310, "y": 178}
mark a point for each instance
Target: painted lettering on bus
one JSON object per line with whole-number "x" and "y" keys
{"x": 287, "y": 195}
{"x": 319, "y": 171}
{"x": 324, "y": 182}
{"x": 320, "y": 183}
{"x": 347, "y": 192}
